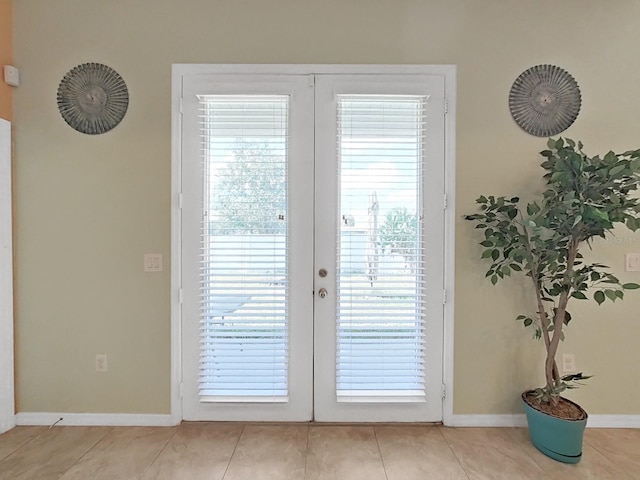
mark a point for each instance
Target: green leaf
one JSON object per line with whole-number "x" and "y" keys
{"x": 486, "y": 253}
{"x": 617, "y": 169}
{"x": 494, "y": 279}
{"x": 579, "y": 295}
{"x": 611, "y": 294}
{"x": 599, "y": 297}
{"x": 630, "y": 286}
{"x": 487, "y": 243}
{"x": 533, "y": 208}
{"x": 577, "y": 220}
{"x": 527, "y": 322}
{"x": 495, "y": 254}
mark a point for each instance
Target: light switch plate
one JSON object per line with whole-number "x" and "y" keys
{"x": 632, "y": 262}
{"x": 152, "y": 262}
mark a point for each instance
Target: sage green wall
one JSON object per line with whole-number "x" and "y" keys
{"x": 89, "y": 207}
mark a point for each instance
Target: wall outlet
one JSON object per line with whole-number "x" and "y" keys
{"x": 101, "y": 362}
{"x": 569, "y": 363}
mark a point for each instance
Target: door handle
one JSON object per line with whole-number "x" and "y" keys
{"x": 322, "y": 292}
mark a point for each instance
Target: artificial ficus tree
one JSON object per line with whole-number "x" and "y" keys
{"x": 585, "y": 198}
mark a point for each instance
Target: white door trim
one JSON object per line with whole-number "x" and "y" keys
{"x": 7, "y": 403}
{"x": 179, "y": 70}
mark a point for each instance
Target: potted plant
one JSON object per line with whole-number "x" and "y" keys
{"x": 585, "y": 198}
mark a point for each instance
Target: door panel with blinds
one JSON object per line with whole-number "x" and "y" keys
{"x": 248, "y": 298}
{"x": 379, "y": 329}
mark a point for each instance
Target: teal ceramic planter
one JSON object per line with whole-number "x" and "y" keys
{"x": 556, "y": 438}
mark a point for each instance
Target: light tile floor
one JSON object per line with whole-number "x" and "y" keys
{"x": 223, "y": 451}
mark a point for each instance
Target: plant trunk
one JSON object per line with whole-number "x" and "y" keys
{"x": 558, "y": 320}
{"x": 544, "y": 321}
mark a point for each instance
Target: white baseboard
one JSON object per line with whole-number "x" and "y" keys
{"x": 614, "y": 421}
{"x": 520, "y": 420}
{"x": 513, "y": 420}
{"x": 95, "y": 419}
{"x": 155, "y": 420}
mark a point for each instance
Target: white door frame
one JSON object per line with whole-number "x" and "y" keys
{"x": 180, "y": 70}
{"x": 7, "y": 402}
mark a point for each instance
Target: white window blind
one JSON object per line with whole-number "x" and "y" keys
{"x": 381, "y": 302}
{"x": 244, "y": 280}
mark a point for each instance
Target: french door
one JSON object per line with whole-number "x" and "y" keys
{"x": 312, "y": 246}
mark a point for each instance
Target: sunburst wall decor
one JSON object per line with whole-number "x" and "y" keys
{"x": 92, "y": 98}
{"x": 544, "y": 100}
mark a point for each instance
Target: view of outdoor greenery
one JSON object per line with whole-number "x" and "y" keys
{"x": 398, "y": 234}
{"x": 250, "y": 196}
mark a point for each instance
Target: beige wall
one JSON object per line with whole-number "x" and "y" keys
{"x": 6, "y": 57}
{"x": 89, "y": 207}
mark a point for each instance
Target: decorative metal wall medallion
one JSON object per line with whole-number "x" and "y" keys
{"x": 545, "y": 100}
{"x": 92, "y": 98}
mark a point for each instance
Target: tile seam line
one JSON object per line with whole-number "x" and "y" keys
{"x": 384, "y": 467}
{"x": 44, "y": 429}
{"x": 109, "y": 430}
{"x": 453, "y": 452}
{"x": 175, "y": 432}
{"x": 224, "y": 475}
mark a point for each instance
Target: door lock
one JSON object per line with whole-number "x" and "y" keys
{"x": 322, "y": 292}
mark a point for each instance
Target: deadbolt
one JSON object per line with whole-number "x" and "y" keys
{"x": 322, "y": 272}
{"x": 322, "y": 292}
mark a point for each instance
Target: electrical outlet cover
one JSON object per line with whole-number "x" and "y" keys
{"x": 11, "y": 76}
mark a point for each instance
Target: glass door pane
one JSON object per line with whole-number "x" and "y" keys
{"x": 244, "y": 289}
{"x": 380, "y": 311}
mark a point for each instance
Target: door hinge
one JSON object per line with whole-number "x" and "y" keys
{"x": 444, "y": 391}
{"x": 446, "y": 106}
{"x": 312, "y": 80}
{"x": 180, "y": 296}
{"x": 445, "y": 202}
{"x": 180, "y": 391}
{"x": 180, "y": 200}
{"x": 181, "y": 102}
{"x": 444, "y": 296}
